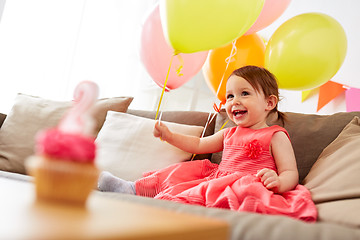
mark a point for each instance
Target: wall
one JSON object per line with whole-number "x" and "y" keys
{"x": 48, "y": 46}
{"x": 2, "y": 4}
{"x": 346, "y": 13}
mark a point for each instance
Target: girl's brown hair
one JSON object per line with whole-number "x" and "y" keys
{"x": 261, "y": 80}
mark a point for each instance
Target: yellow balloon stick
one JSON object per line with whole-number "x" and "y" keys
{"x": 164, "y": 87}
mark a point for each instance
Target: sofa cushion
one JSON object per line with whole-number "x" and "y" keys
{"x": 30, "y": 114}
{"x": 334, "y": 180}
{"x": 183, "y": 117}
{"x": 250, "y": 226}
{"x": 127, "y": 147}
{"x": 309, "y": 134}
{"x": 343, "y": 212}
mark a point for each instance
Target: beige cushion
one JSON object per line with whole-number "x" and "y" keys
{"x": 127, "y": 147}
{"x": 309, "y": 134}
{"x": 30, "y": 114}
{"x": 334, "y": 180}
{"x": 344, "y": 212}
{"x": 183, "y": 117}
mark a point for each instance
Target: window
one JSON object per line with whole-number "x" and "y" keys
{"x": 47, "y": 47}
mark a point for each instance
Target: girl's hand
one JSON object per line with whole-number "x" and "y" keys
{"x": 269, "y": 178}
{"x": 161, "y": 131}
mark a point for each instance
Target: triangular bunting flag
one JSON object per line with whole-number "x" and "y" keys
{"x": 328, "y": 92}
{"x": 352, "y": 96}
{"x": 307, "y": 93}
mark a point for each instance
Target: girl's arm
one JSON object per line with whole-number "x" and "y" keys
{"x": 283, "y": 153}
{"x": 191, "y": 144}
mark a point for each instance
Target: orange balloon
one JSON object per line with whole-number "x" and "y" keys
{"x": 250, "y": 50}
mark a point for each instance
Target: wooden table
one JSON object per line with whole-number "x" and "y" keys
{"x": 22, "y": 217}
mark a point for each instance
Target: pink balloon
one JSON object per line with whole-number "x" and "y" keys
{"x": 156, "y": 55}
{"x": 271, "y": 11}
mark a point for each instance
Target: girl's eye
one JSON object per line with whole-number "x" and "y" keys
{"x": 229, "y": 96}
{"x": 244, "y": 93}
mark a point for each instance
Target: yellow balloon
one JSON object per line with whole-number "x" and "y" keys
{"x": 306, "y": 51}
{"x": 198, "y": 25}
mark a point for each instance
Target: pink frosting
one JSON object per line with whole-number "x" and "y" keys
{"x": 66, "y": 146}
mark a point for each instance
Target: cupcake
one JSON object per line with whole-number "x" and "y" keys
{"x": 63, "y": 166}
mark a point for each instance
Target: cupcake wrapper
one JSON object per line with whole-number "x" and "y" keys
{"x": 62, "y": 181}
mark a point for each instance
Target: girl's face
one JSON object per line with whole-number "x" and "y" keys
{"x": 245, "y": 106}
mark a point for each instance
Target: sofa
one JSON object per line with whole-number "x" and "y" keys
{"x": 326, "y": 149}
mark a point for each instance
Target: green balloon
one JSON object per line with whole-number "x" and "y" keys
{"x": 306, "y": 51}
{"x": 198, "y": 25}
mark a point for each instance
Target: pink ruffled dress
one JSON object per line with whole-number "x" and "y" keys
{"x": 232, "y": 184}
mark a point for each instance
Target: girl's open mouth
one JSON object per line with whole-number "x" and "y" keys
{"x": 239, "y": 113}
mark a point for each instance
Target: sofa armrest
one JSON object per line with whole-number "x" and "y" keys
{"x": 2, "y": 118}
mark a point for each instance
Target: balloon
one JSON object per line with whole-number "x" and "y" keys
{"x": 306, "y": 51}
{"x": 250, "y": 50}
{"x": 197, "y": 25}
{"x": 271, "y": 11}
{"x": 156, "y": 55}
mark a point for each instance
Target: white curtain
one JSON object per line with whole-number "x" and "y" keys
{"x": 48, "y": 46}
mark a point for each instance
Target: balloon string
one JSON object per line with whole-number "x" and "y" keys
{"x": 227, "y": 60}
{"x": 224, "y": 125}
{"x": 217, "y": 108}
{"x": 164, "y": 87}
{"x": 208, "y": 122}
{"x": 179, "y": 68}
